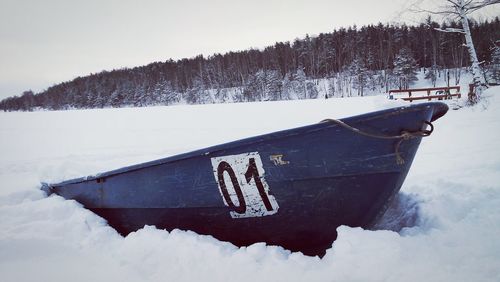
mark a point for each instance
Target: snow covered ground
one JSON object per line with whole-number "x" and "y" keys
{"x": 450, "y": 201}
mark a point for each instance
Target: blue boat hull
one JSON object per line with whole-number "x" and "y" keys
{"x": 291, "y": 188}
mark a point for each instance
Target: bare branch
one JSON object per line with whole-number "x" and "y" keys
{"x": 453, "y": 3}
{"x": 449, "y": 29}
{"x": 491, "y": 2}
{"x": 472, "y": 6}
{"x": 468, "y": 3}
{"x": 453, "y": 7}
{"x": 416, "y": 9}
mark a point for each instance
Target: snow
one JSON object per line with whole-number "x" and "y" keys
{"x": 444, "y": 225}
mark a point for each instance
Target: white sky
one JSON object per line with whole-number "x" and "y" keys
{"x": 43, "y": 43}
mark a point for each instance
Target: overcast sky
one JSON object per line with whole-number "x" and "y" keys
{"x": 43, "y": 43}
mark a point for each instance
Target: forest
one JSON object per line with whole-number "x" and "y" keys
{"x": 353, "y": 61}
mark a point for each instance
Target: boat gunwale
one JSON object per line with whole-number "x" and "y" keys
{"x": 441, "y": 110}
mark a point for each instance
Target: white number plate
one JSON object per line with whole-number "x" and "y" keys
{"x": 242, "y": 185}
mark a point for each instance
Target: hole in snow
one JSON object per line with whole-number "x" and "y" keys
{"x": 403, "y": 212}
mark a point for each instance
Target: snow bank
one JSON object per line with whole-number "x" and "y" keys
{"x": 447, "y": 216}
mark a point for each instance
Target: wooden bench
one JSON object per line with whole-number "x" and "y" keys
{"x": 440, "y": 93}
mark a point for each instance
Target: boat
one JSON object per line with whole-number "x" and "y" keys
{"x": 290, "y": 188}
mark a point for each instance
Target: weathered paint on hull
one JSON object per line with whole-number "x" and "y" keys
{"x": 291, "y": 188}
{"x": 298, "y": 228}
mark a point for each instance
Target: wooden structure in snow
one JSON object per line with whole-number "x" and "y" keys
{"x": 439, "y": 93}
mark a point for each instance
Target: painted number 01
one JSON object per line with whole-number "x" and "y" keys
{"x": 246, "y": 192}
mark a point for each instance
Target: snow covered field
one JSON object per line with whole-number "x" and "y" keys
{"x": 450, "y": 200}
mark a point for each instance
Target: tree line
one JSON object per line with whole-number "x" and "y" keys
{"x": 346, "y": 62}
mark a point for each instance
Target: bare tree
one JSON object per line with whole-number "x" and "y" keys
{"x": 460, "y": 10}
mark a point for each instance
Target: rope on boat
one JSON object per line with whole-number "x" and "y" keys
{"x": 404, "y": 135}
